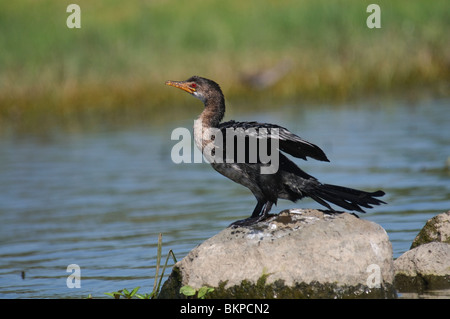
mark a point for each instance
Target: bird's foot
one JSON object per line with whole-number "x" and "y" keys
{"x": 244, "y": 222}
{"x": 248, "y": 221}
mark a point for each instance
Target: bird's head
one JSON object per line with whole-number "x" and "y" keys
{"x": 199, "y": 87}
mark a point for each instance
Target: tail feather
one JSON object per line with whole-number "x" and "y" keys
{"x": 347, "y": 198}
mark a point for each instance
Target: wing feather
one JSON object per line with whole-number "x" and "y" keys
{"x": 287, "y": 141}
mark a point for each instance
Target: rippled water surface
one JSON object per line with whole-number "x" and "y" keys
{"x": 99, "y": 199}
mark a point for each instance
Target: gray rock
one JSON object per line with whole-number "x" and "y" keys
{"x": 298, "y": 253}
{"x": 437, "y": 229}
{"x": 423, "y": 268}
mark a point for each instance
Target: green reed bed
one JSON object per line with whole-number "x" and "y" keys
{"x": 115, "y": 66}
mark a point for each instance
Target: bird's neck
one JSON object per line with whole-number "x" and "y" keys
{"x": 213, "y": 112}
{"x": 209, "y": 119}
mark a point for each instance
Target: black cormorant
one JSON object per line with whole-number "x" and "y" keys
{"x": 288, "y": 181}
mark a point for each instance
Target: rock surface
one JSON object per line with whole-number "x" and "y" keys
{"x": 437, "y": 229}
{"x": 296, "y": 254}
{"x": 424, "y": 267}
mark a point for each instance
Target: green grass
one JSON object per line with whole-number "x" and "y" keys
{"x": 126, "y": 294}
{"x": 116, "y": 64}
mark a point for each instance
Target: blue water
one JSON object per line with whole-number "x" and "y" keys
{"x": 100, "y": 198}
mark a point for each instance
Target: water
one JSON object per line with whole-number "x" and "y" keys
{"x": 99, "y": 199}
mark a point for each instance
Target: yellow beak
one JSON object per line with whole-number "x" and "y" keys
{"x": 181, "y": 85}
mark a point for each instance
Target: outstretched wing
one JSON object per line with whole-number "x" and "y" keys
{"x": 287, "y": 141}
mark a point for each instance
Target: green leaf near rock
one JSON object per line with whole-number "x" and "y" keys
{"x": 187, "y": 291}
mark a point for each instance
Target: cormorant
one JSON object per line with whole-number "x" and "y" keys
{"x": 288, "y": 181}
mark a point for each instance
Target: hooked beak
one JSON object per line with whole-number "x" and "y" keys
{"x": 181, "y": 85}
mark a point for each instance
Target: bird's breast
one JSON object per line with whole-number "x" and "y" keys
{"x": 198, "y": 134}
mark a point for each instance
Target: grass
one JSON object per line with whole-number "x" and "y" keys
{"x": 114, "y": 67}
{"x": 126, "y": 294}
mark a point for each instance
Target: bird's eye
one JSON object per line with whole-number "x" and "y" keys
{"x": 193, "y": 85}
